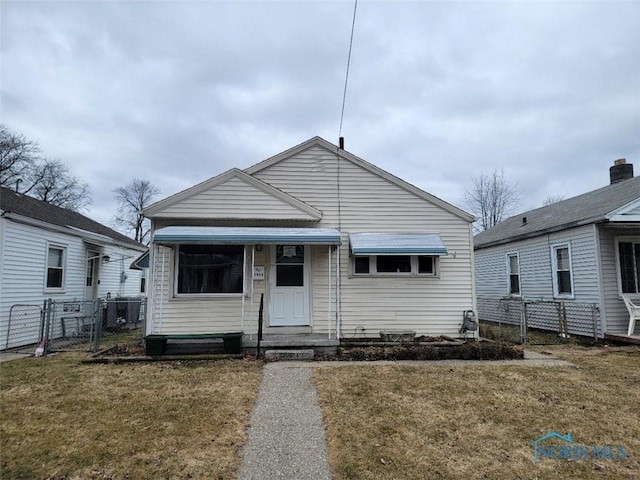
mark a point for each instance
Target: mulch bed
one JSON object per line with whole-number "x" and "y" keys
{"x": 416, "y": 351}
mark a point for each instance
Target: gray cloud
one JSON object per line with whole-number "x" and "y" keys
{"x": 439, "y": 92}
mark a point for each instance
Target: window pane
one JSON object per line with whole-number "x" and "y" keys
{"x": 54, "y": 278}
{"x": 394, "y": 264}
{"x": 563, "y": 258}
{"x": 55, "y": 257}
{"x": 513, "y": 264}
{"x": 290, "y": 275}
{"x": 362, "y": 265}
{"x": 210, "y": 269}
{"x": 425, "y": 265}
{"x": 627, "y": 273}
{"x": 290, "y": 254}
{"x": 564, "y": 282}
{"x": 514, "y": 284}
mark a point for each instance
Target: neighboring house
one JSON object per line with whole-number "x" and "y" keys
{"x": 582, "y": 250}
{"x": 51, "y": 252}
{"x": 337, "y": 246}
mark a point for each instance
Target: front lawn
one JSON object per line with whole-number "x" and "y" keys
{"x": 461, "y": 422}
{"x": 64, "y": 420}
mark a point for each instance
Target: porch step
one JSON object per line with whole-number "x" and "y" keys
{"x": 306, "y": 354}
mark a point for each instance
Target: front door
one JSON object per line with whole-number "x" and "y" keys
{"x": 289, "y": 286}
{"x": 91, "y": 284}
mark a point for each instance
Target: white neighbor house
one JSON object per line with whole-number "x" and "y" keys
{"x": 583, "y": 250}
{"x": 337, "y": 246}
{"x": 51, "y": 252}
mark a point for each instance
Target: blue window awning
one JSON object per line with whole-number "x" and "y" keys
{"x": 246, "y": 235}
{"x": 396, "y": 244}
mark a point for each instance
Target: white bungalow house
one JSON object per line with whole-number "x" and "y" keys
{"x": 336, "y": 246}
{"x": 583, "y": 250}
{"x": 47, "y": 252}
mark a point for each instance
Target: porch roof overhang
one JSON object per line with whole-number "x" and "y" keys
{"x": 396, "y": 244}
{"x": 246, "y": 235}
{"x": 141, "y": 262}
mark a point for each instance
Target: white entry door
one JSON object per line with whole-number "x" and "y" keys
{"x": 91, "y": 284}
{"x": 289, "y": 286}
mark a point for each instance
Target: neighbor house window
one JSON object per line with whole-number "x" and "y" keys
{"x": 629, "y": 259}
{"x": 513, "y": 273}
{"x": 143, "y": 281}
{"x": 55, "y": 267}
{"x": 562, "y": 275}
{"x": 210, "y": 269}
{"x": 394, "y": 265}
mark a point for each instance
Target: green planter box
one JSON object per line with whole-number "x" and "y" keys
{"x": 155, "y": 345}
{"x": 232, "y": 342}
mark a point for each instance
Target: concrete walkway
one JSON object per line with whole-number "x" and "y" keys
{"x": 6, "y": 356}
{"x": 286, "y": 436}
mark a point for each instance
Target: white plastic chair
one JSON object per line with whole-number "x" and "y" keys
{"x": 634, "y": 313}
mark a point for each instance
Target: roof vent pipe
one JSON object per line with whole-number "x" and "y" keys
{"x": 341, "y": 143}
{"x": 621, "y": 170}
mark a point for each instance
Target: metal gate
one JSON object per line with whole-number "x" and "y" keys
{"x": 58, "y": 324}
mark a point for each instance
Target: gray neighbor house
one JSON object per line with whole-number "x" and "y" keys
{"x": 581, "y": 251}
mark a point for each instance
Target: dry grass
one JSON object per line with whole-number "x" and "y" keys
{"x": 61, "y": 419}
{"x": 416, "y": 422}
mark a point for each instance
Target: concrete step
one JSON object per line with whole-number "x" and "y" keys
{"x": 283, "y": 355}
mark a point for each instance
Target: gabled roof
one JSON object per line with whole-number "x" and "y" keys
{"x": 12, "y": 203}
{"x": 592, "y": 207}
{"x": 321, "y": 142}
{"x": 261, "y": 200}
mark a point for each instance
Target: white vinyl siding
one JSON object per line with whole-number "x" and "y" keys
{"x": 236, "y": 200}
{"x": 369, "y": 203}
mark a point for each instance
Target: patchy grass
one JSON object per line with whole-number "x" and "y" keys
{"x": 64, "y": 420}
{"x": 460, "y": 422}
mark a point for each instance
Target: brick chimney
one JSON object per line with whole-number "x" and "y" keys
{"x": 620, "y": 171}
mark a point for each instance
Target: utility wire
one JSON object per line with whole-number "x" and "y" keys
{"x": 346, "y": 79}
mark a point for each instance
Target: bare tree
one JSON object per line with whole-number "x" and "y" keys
{"x": 551, "y": 199}
{"x": 132, "y": 199}
{"x": 23, "y": 168}
{"x": 52, "y": 182}
{"x": 17, "y": 157}
{"x": 491, "y": 199}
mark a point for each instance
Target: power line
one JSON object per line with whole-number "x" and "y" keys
{"x": 346, "y": 79}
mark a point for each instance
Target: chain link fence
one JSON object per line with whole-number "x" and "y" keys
{"x": 57, "y": 325}
{"x": 538, "y": 321}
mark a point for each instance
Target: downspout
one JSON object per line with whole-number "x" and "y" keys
{"x": 338, "y": 313}
{"x": 162, "y": 289}
{"x": 329, "y": 295}
{"x": 244, "y": 285}
{"x": 253, "y": 268}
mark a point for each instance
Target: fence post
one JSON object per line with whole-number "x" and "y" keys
{"x": 97, "y": 325}
{"x": 523, "y": 324}
{"x": 47, "y": 325}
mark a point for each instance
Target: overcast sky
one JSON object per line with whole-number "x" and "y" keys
{"x": 439, "y": 92}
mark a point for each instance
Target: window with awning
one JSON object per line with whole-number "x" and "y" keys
{"x": 395, "y": 254}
